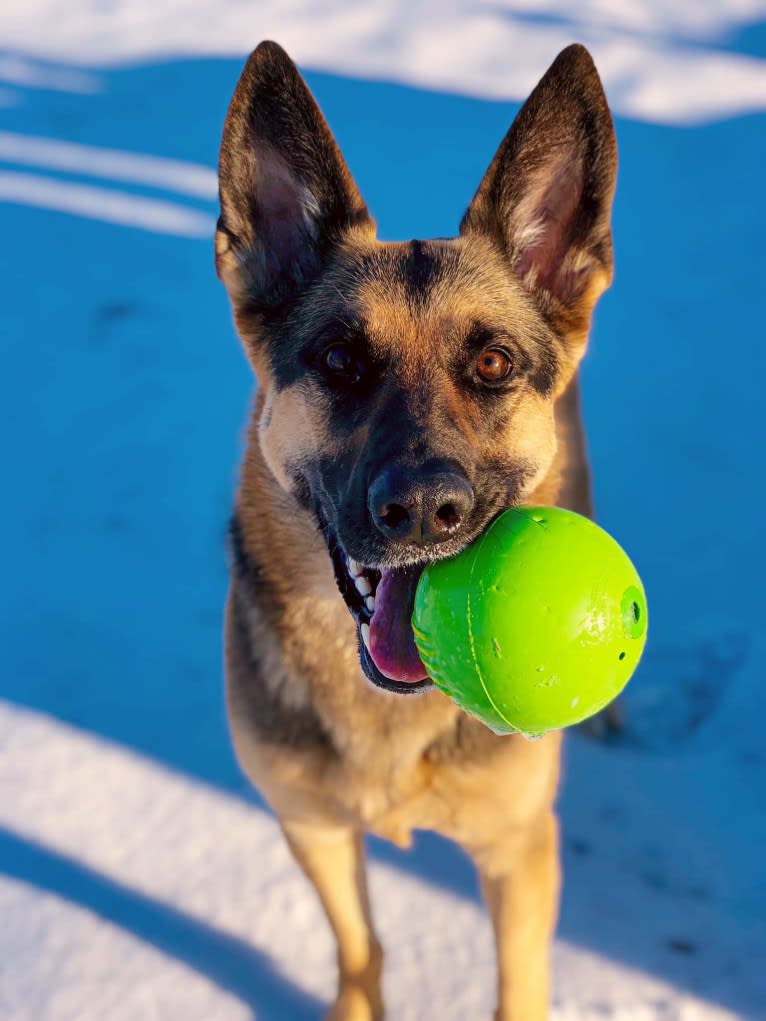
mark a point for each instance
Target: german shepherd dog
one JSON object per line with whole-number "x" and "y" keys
{"x": 407, "y": 394}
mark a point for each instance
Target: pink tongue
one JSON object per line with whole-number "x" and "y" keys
{"x": 392, "y": 644}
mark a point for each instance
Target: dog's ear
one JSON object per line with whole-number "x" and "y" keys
{"x": 546, "y": 198}
{"x": 286, "y": 194}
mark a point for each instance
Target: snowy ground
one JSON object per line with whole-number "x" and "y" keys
{"x": 139, "y": 878}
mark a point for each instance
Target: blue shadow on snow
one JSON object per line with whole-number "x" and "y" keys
{"x": 229, "y": 962}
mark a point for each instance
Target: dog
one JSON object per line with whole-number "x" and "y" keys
{"x": 407, "y": 393}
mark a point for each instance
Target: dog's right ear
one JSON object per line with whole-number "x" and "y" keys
{"x": 546, "y": 199}
{"x": 286, "y": 194}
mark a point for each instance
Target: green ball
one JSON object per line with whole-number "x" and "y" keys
{"x": 537, "y": 625}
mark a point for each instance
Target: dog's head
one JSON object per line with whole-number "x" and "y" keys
{"x": 408, "y": 389}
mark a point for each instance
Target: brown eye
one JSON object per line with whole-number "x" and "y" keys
{"x": 340, "y": 361}
{"x": 494, "y": 365}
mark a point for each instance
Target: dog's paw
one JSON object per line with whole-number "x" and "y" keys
{"x": 356, "y": 1004}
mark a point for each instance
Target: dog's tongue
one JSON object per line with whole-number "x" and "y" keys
{"x": 392, "y": 644}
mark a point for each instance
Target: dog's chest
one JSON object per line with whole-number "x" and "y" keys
{"x": 317, "y": 737}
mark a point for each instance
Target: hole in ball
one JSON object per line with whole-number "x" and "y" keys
{"x": 635, "y": 611}
{"x": 621, "y": 656}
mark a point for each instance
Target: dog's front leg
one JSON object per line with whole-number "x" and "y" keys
{"x": 333, "y": 859}
{"x": 522, "y": 892}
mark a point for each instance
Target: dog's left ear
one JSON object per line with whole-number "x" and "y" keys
{"x": 286, "y": 194}
{"x": 546, "y": 198}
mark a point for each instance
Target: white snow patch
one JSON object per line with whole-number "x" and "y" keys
{"x": 142, "y": 842}
{"x": 18, "y": 71}
{"x": 105, "y": 204}
{"x": 655, "y": 57}
{"x": 114, "y": 164}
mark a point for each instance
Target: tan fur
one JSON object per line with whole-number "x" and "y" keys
{"x": 423, "y": 774}
{"x": 333, "y": 755}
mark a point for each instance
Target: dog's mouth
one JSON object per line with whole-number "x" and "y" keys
{"x": 381, "y": 601}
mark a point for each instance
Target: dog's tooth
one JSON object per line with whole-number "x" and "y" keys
{"x": 370, "y": 603}
{"x": 363, "y": 586}
{"x": 354, "y": 569}
{"x": 364, "y": 630}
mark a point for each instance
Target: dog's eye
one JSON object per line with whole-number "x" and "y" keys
{"x": 494, "y": 365}
{"x": 342, "y": 363}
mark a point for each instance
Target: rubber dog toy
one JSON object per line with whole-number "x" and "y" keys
{"x": 537, "y": 625}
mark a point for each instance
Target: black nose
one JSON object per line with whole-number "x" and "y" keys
{"x": 422, "y": 506}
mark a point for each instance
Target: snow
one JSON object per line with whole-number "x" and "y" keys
{"x": 140, "y": 876}
{"x": 105, "y": 204}
{"x": 661, "y": 61}
{"x": 146, "y": 922}
{"x": 114, "y": 165}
